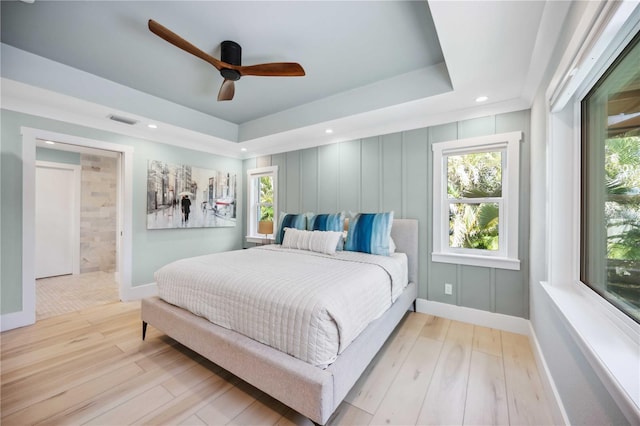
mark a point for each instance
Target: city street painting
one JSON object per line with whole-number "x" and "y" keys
{"x": 182, "y": 196}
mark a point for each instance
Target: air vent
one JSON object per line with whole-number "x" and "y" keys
{"x": 124, "y": 120}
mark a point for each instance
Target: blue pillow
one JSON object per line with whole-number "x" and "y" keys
{"x": 297, "y": 221}
{"x": 326, "y": 222}
{"x": 370, "y": 233}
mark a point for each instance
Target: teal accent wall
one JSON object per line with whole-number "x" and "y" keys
{"x": 57, "y": 156}
{"x": 151, "y": 248}
{"x": 393, "y": 172}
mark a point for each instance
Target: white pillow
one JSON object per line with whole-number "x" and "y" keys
{"x": 295, "y": 238}
{"x": 392, "y": 246}
{"x": 318, "y": 241}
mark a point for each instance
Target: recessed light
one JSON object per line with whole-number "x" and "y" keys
{"x": 481, "y": 99}
{"x": 152, "y": 126}
{"x": 328, "y": 131}
{"x": 243, "y": 149}
{"x": 50, "y": 142}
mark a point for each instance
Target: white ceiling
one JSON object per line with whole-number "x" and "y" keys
{"x": 371, "y": 67}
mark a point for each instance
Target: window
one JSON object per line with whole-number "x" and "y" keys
{"x": 610, "y": 184}
{"x": 263, "y": 184}
{"x": 475, "y": 193}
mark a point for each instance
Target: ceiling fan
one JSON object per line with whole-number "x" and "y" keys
{"x": 229, "y": 63}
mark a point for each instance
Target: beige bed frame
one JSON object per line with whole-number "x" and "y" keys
{"x": 312, "y": 391}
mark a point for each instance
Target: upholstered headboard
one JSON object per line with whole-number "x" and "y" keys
{"x": 405, "y": 235}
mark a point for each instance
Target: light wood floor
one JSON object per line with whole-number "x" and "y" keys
{"x": 91, "y": 367}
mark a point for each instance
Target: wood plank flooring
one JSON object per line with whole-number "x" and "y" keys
{"x": 91, "y": 367}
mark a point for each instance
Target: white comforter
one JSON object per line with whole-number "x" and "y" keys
{"x": 303, "y": 303}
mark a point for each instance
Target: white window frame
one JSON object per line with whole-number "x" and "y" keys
{"x": 507, "y": 255}
{"x": 609, "y": 339}
{"x": 252, "y": 201}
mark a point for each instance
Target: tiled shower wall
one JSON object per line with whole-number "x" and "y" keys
{"x": 98, "y": 214}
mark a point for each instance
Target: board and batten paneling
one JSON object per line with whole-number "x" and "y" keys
{"x": 394, "y": 172}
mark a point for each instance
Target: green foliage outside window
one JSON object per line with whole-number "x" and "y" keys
{"x": 266, "y": 198}
{"x": 622, "y": 216}
{"x": 610, "y": 183}
{"x": 474, "y": 224}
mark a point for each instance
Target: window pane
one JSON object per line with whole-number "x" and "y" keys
{"x": 265, "y": 198}
{"x": 475, "y": 175}
{"x": 610, "y": 263}
{"x": 474, "y": 226}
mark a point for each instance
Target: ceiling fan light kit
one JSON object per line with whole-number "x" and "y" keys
{"x": 230, "y": 62}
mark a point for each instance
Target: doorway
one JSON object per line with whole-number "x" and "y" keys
{"x": 76, "y": 228}
{"x": 123, "y": 273}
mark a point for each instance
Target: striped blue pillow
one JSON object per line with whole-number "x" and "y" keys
{"x": 297, "y": 221}
{"x": 370, "y": 233}
{"x": 326, "y": 222}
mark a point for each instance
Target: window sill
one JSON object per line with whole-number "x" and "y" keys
{"x": 609, "y": 340}
{"x": 259, "y": 240}
{"x": 485, "y": 261}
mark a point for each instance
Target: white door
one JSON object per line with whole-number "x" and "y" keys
{"x": 55, "y": 218}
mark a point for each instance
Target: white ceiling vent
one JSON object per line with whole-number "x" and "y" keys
{"x": 124, "y": 120}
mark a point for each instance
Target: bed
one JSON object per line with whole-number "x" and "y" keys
{"x": 314, "y": 388}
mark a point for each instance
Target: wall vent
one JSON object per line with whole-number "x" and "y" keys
{"x": 124, "y": 120}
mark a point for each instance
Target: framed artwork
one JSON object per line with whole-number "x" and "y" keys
{"x": 182, "y": 196}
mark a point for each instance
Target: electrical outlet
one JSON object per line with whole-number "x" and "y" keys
{"x": 448, "y": 289}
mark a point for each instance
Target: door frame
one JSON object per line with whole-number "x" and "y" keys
{"x": 124, "y": 223}
{"x": 75, "y": 212}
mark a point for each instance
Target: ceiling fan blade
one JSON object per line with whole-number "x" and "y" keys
{"x": 183, "y": 44}
{"x": 227, "y": 90}
{"x": 274, "y": 69}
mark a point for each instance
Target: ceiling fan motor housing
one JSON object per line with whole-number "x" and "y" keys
{"x": 231, "y": 53}
{"x": 230, "y": 64}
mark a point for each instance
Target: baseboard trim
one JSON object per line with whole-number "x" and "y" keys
{"x": 17, "y": 320}
{"x": 558, "y": 412}
{"x": 139, "y": 292}
{"x": 474, "y": 316}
